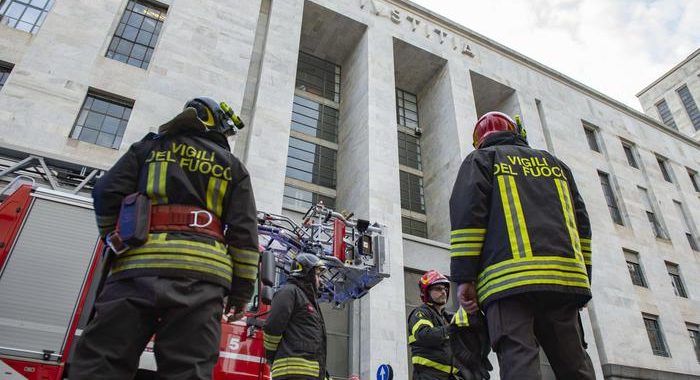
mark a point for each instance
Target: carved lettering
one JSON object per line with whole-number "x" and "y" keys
{"x": 414, "y": 22}
{"x": 396, "y": 16}
{"x": 442, "y": 35}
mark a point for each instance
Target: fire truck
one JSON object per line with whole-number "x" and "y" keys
{"x": 52, "y": 263}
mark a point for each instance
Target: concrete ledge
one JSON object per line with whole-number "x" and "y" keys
{"x": 621, "y": 372}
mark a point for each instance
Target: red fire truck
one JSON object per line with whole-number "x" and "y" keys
{"x": 51, "y": 266}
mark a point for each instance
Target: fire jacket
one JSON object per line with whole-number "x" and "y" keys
{"x": 428, "y": 337}
{"x": 519, "y": 223}
{"x": 295, "y": 333}
{"x": 185, "y": 165}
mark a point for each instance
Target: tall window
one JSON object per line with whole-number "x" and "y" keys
{"x": 694, "y": 333}
{"x": 137, "y": 33}
{"x": 687, "y": 223}
{"x": 591, "y": 137}
{"x": 694, "y": 179}
{"x": 610, "y": 198}
{"x": 4, "y": 73}
{"x": 690, "y": 106}
{"x": 649, "y": 208}
{"x": 25, "y": 15}
{"x": 629, "y": 153}
{"x": 102, "y": 120}
{"x": 635, "y": 268}
{"x": 656, "y": 337}
{"x": 676, "y": 281}
{"x": 665, "y": 114}
{"x": 410, "y": 165}
{"x": 665, "y": 170}
{"x": 313, "y": 142}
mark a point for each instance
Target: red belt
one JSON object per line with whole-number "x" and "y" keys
{"x": 181, "y": 218}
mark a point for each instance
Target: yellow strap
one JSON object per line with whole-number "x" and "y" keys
{"x": 433, "y": 364}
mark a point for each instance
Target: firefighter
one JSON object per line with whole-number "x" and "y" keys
{"x": 295, "y": 333}
{"x": 521, "y": 250}
{"x": 428, "y": 330}
{"x": 201, "y": 247}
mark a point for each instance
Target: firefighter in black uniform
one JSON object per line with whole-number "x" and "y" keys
{"x": 429, "y": 328}
{"x": 295, "y": 334}
{"x": 521, "y": 250}
{"x": 201, "y": 246}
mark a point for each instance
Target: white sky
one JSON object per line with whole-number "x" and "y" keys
{"x": 617, "y": 47}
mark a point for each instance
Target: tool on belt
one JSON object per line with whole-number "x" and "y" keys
{"x": 138, "y": 218}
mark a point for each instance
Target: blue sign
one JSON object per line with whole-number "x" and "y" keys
{"x": 385, "y": 372}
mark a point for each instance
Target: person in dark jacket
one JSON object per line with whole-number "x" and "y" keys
{"x": 295, "y": 333}
{"x": 201, "y": 246}
{"x": 521, "y": 250}
{"x": 429, "y": 328}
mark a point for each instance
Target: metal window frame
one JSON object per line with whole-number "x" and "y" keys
{"x": 43, "y": 12}
{"x": 632, "y": 258}
{"x": 159, "y": 12}
{"x": 658, "y": 335}
{"x": 614, "y": 208}
{"x": 109, "y": 98}
{"x": 630, "y": 151}
{"x": 691, "y": 107}
{"x": 665, "y": 114}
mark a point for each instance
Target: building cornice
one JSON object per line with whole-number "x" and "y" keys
{"x": 669, "y": 72}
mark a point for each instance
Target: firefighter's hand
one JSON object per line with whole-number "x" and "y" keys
{"x": 236, "y": 313}
{"x": 466, "y": 293}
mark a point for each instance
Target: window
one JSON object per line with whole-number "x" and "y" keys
{"x": 137, "y": 33}
{"x": 300, "y": 199}
{"x": 406, "y": 109}
{"x": 319, "y": 77}
{"x": 685, "y": 218}
{"x": 634, "y": 268}
{"x": 654, "y": 221}
{"x": 694, "y": 333}
{"x": 311, "y": 162}
{"x": 610, "y": 198}
{"x": 694, "y": 179}
{"x": 315, "y": 119}
{"x": 25, "y": 15}
{"x": 690, "y": 106}
{"x": 410, "y": 165}
{"x": 412, "y": 192}
{"x": 591, "y": 137}
{"x": 665, "y": 114}
{"x": 414, "y": 227}
{"x": 629, "y": 153}
{"x": 665, "y": 170}
{"x": 656, "y": 338}
{"x": 102, "y": 120}
{"x": 4, "y": 73}
{"x": 676, "y": 281}
{"x": 313, "y": 149}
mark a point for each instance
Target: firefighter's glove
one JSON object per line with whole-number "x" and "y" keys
{"x": 469, "y": 341}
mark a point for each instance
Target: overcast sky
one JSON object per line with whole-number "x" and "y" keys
{"x": 617, "y": 47}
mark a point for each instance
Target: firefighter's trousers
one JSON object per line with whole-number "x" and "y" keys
{"x": 185, "y": 315}
{"x": 517, "y": 324}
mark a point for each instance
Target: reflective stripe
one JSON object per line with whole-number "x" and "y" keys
{"x": 433, "y": 364}
{"x": 534, "y": 278}
{"x": 118, "y": 267}
{"x": 535, "y": 263}
{"x": 586, "y": 249}
{"x": 156, "y": 179}
{"x": 294, "y": 366}
{"x": 475, "y": 231}
{"x": 416, "y": 326}
{"x": 565, "y": 199}
{"x": 216, "y": 190}
{"x": 466, "y": 249}
{"x": 461, "y": 318}
{"x": 249, "y": 272}
{"x": 467, "y": 241}
{"x": 245, "y": 256}
{"x": 515, "y": 220}
{"x": 271, "y": 341}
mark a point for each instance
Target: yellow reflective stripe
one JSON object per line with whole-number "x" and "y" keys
{"x": 567, "y": 262}
{"x": 433, "y": 364}
{"x": 216, "y": 190}
{"x": 156, "y": 179}
{"x": 295, "y": 361}
{"x": 411, "y": 339}
{"x": 461, "y": 318}
{"x": 174, "y": 249}
{"x": 175, "y": 257}
{"x": 563, "y": 190}
{"x": 508, "y": 216}
{"x": 120, "y": 268}
{"x": 521, "y": 218}
{"x": 580, "y": 283}
{"x": 481, "y": 231}
{"x": 245, "y": 256}
{"x": 421, "y": 322}
{"x": 466, "y": 249}
{"x": 160, "y": 240}
{"x": 248, "y": 272}
{"x": 527, "y": 270}
{"x": 272, "y": 338}
{"x": 162, "y": 179}
{"x": 299, "y": 366}
{"x": 294, "y": 370}
{"x": 210, "y": 194}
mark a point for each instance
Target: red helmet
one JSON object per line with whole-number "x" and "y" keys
{"x": 430, "y": 278}
{"x": 492, "y": 122}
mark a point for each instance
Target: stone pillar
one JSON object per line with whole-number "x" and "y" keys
{"x": 268, "y": 137}
{"x": 368, "y": 184}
